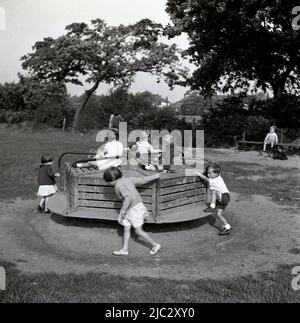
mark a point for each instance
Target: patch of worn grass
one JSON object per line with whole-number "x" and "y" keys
{"x": 267, "y": 287}
{"x": 238, "y": 177}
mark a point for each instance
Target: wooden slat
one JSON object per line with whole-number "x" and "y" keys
{"x": 180, "y": 195}
{"x": 182, "y": 188}
{"x": 105, "y": 204}
{"x": 178, "y": 181}
{"x": 94, "y": 181}
{"x": 96, "y": 189}
{"x": 109, "y": 189}
{"x": 106, "y": 197}
{"x": 100, "y": 204}
{"x": 182, "y": 201}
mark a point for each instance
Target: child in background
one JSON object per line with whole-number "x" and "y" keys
{"x": 133, "y": 210}
{"x": 218, "y": 194}
{"x": 46, "y": 182}
{"x": 271, "y": 138}
{"x": 135, "y": 159}
{"x": 133, "y": 155}
{"x": 144, "y": 148}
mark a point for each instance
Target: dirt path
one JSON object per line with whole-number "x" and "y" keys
{"x": 265, "y": 234}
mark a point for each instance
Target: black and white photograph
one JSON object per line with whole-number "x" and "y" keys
{"x": 150, "y": 154}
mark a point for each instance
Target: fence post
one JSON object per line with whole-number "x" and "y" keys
{"x": 64, "y": 124}
{"x": 281, "y": 135}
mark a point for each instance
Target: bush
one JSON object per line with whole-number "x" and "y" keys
{"x": 230, "y": 119}
{"x": 10, "y": 116}
{"x": 52, "y": 113}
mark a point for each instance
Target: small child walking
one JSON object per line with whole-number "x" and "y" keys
{"x": 218, "y": 194}
{"x": 271, "y": 138}
{"x": 46, "y": 182}
{"x": 133, "y": 210}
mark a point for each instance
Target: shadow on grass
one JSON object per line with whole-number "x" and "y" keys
{"x": 149, "y": 227}
{"x": 265, "y": 287}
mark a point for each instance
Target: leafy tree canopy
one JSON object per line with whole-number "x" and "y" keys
{"x": 101, "y": 53}
{"x": 233, "y": 42}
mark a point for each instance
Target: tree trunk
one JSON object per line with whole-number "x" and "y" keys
{"x": 81, "y": 107}
{"x": 278, "y": 89}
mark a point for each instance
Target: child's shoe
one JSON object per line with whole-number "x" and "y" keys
{"x": 39, "y": 209}
{"x": 120, "y": 253}
{"x": 155, "y": 249}
{"x": 225, "y": 231}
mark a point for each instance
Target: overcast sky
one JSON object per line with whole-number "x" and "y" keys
{"x": 23, "y": 22}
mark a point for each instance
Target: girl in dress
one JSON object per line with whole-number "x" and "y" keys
{"x": 46, "y": 182}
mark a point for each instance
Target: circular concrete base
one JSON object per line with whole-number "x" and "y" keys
{"x": 190, "y": 250}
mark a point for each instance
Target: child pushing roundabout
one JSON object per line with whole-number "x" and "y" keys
{"x": 133, "y": 210}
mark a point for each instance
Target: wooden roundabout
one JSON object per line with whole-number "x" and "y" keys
{"x": 175, "y": 197}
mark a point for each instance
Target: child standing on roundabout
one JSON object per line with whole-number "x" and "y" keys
{"x": 133, "y": 210}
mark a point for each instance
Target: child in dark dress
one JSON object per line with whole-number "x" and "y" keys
{"x": 46, "y": 182}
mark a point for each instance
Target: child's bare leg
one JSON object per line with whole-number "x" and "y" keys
{"x": 265, "y": 145}
{"x": 145, "y": 236}
{"x": 214, "y": 194}
{"x": 126, "y": 237}
{"x": 208, "y": 197}
{"x": 42, "y": 203}
{"x": 46, "y": 203}
{"x": 222, "y": 219}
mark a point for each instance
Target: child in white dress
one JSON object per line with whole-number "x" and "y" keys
{"x": 271, "y": 138}
{"x": 46, "y": 182}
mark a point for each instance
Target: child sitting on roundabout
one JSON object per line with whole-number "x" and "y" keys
{"x": 109, "y": 154}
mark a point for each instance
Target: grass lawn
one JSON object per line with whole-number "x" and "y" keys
{"x": 19, "y": 161}
{"x": 270, "y": 287}
{"x": 21, "y": 154}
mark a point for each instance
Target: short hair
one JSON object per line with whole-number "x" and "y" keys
{"x": 112, "y": 174}
{"x": 133, "y": 145}
{"x": 46, "y": 159}
{"x": 215, "y": 167}
{"x": 115, "y": 132}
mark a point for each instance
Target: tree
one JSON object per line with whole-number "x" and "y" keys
{"x": 102, "y": 53}
{"x": 29, "y": 93}
{"x": 233, "y": 42}
{"x": 194, "y": 103}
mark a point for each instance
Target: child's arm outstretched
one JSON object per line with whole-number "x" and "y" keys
{"x": 152, "y": 150}
{"x": 202, "y": 176}
{"x": 144, "y": 179}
